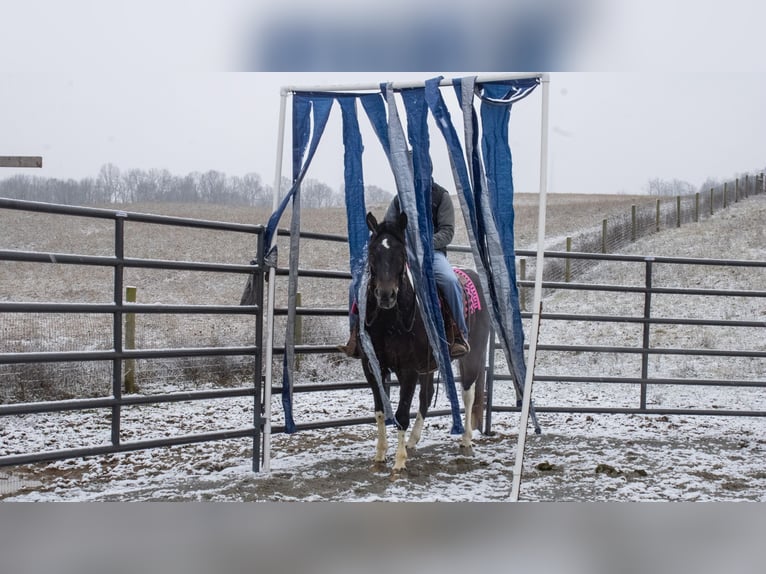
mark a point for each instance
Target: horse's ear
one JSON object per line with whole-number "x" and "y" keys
{"x": 372, "y": 223}
{"x": 402, "y": 221}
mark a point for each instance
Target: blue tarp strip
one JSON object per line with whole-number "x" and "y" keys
{"x": 356, "y": 210}
{"x": 304, "y": 108}
{"x": 417, "y": 202}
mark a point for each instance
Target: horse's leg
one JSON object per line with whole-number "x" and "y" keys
{"x": 426, "y": 395}
{"x": 379, "y": 461}
{"x": 465, "y": 442}
{"x": 471, "y": 377}
{"x": 407, "y": 382}
{"x": 382, "y": 444}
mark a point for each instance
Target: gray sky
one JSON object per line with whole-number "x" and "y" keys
{"x": 85, "y": 83}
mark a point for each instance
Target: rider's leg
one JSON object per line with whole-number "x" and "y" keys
{"x": 453, "y": 293}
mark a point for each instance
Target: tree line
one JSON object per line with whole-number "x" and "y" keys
{"x": 671, "y": 188}
{"x": 114, "y": 186}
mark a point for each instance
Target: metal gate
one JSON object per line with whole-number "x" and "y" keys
{"x": 119, "y": 355}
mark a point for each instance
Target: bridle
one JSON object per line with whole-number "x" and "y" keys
{"x": 404, "y": 279}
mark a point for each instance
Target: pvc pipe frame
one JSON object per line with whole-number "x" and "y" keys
{"x": 537, "y": 305}
{"x": 269, "y": 338}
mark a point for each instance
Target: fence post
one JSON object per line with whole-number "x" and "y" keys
{"x": 523, "y": 276}
{"x": 603, "y": 236}
{"x": 633, "y": 222}
{"x": 725, "y": 189}
{"x": 697, "y": 207}
{"x": 657, "y": 217}
{"x": 747, "y": 185}
{"x": 568, "y": 266}
{"x": 736, "y": 190}
{"x": 647, "y": 325}
{"x": 712, "y": 197}
{"x": 130, "y": 342}
{"x": 678, "y": 211}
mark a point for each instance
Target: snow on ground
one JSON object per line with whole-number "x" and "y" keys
{"x": 578, "y": 457}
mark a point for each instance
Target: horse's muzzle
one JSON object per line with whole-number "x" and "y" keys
{"x": 386, "y": 298}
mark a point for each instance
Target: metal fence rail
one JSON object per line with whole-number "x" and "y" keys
{"x": 118, "y": 354}
{"x": 648, "y": 318}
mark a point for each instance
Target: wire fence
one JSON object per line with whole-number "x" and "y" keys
{"x": 654, "y": 216}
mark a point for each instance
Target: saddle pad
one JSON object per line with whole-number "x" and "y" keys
{"x": 471, "y": 301}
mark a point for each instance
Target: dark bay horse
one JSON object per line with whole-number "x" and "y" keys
{"x": 395, "y": 326}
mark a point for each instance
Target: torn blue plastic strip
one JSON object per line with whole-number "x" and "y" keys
{"x": 304, "y": 109}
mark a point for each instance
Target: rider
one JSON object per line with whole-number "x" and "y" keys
{"x": 443, "y": 217}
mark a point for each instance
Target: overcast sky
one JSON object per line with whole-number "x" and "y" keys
{"x": 85, "y": 83}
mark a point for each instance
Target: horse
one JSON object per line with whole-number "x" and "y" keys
{"x": 399, "y": 339}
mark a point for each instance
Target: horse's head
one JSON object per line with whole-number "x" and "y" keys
{"x": 387, "y": 258}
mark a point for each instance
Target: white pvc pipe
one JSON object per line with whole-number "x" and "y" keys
{"x": 407, "y": 85}
{"x": 269, "y": 338}
{"x": 527, "y": 397}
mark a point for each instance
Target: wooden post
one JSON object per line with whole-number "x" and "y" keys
{"x": 697, "y": 207}
{"x": 568, "y": 266}
{"x": 130, "y": 342}
{"x": 633, "y": 222}
{"x": 725, "y": 189}
{"x": 657, "y": 217}
{"x": 736, "y": 190}
{"x": 678, "y": 211}
{"x": 747, "y": 185}
{"x": 522, "y": 290}
{"x": 712, "y": 197}
{"x": 603, "y": 236}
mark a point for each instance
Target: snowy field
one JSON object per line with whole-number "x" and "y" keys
{"x": 578, "y": 457}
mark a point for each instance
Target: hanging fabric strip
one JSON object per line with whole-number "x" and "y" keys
{"x": 488, "y": 250}
{"x": 356, "y": 211}
{"x": 303, "y": 106}
{"x": 376, "y": 112}
{"x": 415, "y": 201}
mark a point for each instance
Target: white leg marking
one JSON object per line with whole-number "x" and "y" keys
{"x": 382, "y": 447}
{"x": 401, "y": 452}
{"x": 417, "y": 430}
{"x": 468, "y": 397}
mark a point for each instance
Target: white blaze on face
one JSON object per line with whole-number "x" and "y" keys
{"x": 385, "y": 243}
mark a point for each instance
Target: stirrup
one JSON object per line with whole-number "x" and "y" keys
{"x": 459, "y": 349}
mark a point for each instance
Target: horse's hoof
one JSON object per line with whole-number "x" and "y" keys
{"x": 396, "y": 474}
{"x": 466, "y": 450}
{"x": 378, "y": 466}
